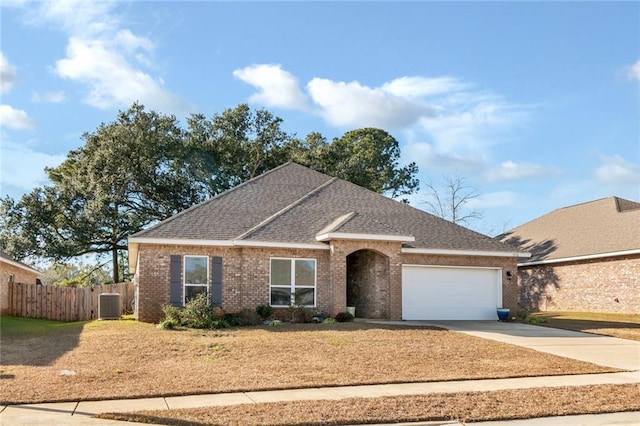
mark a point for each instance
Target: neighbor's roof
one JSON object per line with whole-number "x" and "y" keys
{"x": 605, "y": 227}
{"x": 295, "y": 205}
{"x": 9, "y": 260}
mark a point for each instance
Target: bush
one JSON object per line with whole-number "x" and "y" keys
{"x": 173, "y": 314}
{"x": 344, "y": 317}
{"x": 536, "y": 320}
{"x": 329, "y": 321}
{"x": 275, "y": 323}
{"x": 264, "y": 311}
{"x": 219, "y": 323}
{"x": 197, "y": 313}
{"x": 300, "y": 314}
{"x": 168, "y": 324}
{"x": 247, "y": 317}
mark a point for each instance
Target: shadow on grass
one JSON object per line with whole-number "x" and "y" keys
{"x": 142, "y": 418}
{"x": 36, "y": 342}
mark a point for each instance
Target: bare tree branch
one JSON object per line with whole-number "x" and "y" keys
{"x": 449, "y": 201}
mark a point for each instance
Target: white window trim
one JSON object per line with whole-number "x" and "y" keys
{"x": 184, "y": 277}
{"x": 292, "y": 285}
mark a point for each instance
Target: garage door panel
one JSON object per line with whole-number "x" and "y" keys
{"x": 432, "y": 293}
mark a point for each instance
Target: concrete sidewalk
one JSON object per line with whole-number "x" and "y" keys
{"x": 80, "y": 412}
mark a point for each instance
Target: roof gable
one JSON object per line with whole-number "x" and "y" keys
{"x": 294, "y": 204}
{"x": 608, "y": 225}
{"x": 10, "y": 261}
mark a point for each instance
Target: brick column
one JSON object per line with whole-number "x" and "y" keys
{"x": 338, "y": 262}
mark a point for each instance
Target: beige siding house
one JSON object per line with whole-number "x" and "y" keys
{"x": 584, "y": 258}
{"x": 293, "y": 236}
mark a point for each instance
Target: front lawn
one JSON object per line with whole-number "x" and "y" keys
{"x": 127, "y": 359}
{"x": 624, "y": 326}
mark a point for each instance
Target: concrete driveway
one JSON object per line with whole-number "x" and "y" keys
{"x": 601, "y": 350}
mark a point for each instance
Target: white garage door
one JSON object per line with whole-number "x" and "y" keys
{"x": 446, "y": 293}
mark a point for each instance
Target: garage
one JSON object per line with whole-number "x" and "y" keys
{"x": 450, "y": 293}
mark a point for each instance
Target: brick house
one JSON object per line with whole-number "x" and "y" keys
{"x": 584, "y": 258}
{"x": 297, "y": 236}
{"x": 13, "y": 271}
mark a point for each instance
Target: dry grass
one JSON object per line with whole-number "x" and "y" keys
{"x": 624, "y": 326}
{"x": 464, "y": 406}
{"x": 127, "y": 359}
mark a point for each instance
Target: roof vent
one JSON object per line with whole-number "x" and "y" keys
{"x": 109, "y": 306}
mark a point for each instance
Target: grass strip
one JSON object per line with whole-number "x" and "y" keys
{"x": 465, "y": 407}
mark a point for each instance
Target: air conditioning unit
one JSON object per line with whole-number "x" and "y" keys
{"x": 109, "y": 306}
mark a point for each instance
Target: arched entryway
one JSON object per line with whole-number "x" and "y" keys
{"x": 368, "y": 284}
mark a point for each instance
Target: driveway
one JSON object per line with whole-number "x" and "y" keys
{"x": 601, "y": 350}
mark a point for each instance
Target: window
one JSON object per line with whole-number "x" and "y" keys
{"x": 196, "y": 276}
{"x": 293, "y": 281}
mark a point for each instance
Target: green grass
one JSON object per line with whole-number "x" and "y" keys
{"x": 26, "y": 328}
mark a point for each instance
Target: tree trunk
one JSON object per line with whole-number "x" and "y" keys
{"x": 116, "y": 271}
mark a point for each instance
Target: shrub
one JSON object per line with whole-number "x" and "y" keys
{"x": 275, "y": 323}
{"x": 173, "y": 314}
{"x": 168, "y": 324}
{"x": 247, "y": 317}
{"x": 344, "y": 317}
{"x": 329, "y": 321}
{"x": 300, "y": 314}
{"x": 264, "y": 311}
{"x": 536, "y": 320}
{"x": 219, "y": 323}
{"x": 197, "y": 313}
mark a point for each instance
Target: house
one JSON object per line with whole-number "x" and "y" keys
{"x": 297, "y": 236}
{"x": 583, "y": 258}
{"x": 13, "y": 271}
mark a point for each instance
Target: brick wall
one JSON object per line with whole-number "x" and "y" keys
{"x": 597, "y": 285}
{"x": 340, "y": 249}
{"x": 245, "y": 276}
{"x": 19, "y": 276}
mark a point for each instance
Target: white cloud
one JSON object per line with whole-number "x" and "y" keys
{"x": 452, "y": 124}
{"x": 107, "y": 58}
{"x": 633, "y": 71}
{"x": 23, "y": 168}
{"x": 617, "y": 171}
{"x": 48, "y": 97}
{"x": 112, "y": 79}
{"x": 8, "y": 75}
{"x": 277, "y": 87}
{"x": 15, "y": 118}
{"x": 509, "y": 170}
{"x": 352, "y": 104}
{"x": 418, "y": 87}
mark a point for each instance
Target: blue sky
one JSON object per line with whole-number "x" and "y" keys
{"x": 537, "y": 104}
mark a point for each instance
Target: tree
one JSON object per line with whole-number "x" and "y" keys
{"x": 129, "y": 174}
{"x": 449, "y": 202}
{"x": 367, "y": 157}
{"x": 235, "y": 146}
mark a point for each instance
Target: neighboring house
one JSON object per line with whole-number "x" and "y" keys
{"x": 13, "y": 271}
{"x": 583, "y": 258}
{"x": 297, "y": 236}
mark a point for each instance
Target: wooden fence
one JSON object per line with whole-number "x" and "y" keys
{"x": 63, "y": 303}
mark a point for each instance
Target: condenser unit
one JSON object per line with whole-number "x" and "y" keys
{"x": 109, "y": 306}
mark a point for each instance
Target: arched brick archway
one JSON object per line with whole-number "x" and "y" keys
{"x": 368, "y": 283}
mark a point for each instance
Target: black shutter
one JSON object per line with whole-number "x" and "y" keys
{"x": 175, "y": 294}
{"x": 216, "y": 281}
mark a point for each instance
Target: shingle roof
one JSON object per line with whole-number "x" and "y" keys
{"x": 607, "y": 225}
{"x": 293, "y": 204}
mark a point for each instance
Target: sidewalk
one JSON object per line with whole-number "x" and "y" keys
{"x": 80, "y": 412}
